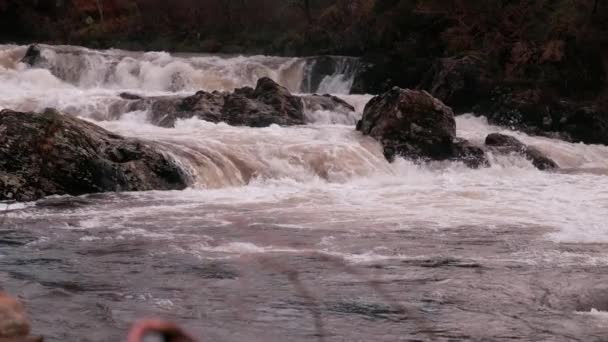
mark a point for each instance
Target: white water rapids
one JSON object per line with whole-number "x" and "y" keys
{"x": 323, "y": 182}
{"x": 321, "y": 159}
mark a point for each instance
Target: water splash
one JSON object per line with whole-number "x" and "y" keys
{"x": 161, "y": 71}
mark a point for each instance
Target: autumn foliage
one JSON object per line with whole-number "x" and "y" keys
{"x": 559, "y": 43}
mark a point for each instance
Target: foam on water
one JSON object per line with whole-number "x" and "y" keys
{"x": 314, "y": 176}
{"x": 164, "y": 72}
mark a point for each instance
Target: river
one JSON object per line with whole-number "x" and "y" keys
{"x": 301, "y": 233}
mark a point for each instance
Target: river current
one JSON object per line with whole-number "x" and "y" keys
{"x": 300, "y": 233}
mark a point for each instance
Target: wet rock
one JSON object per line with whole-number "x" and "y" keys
{"x": 14, "y": 326}
{"x": 413, "y": 124}
{"x": 49, "y": 153}
{"x": 326, "y": 102}
{"x": 267, "y": 104}
{"x": 32, "y": 55}
{"x": 164, "y": 111}
{"x": 471, "y": 155}
{"x": 539, "y": 159}
{"x": 129, "y": 96}
{"x": 536, "y": 112}
{"x": 206, "y": 106}
{"x": 458, "y": 81}
{"x": 507, "y": 144}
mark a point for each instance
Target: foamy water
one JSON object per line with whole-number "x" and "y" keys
{"x": 319, "y": 189}
{"x": 332, "y": 162}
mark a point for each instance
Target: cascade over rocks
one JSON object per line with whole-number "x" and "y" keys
{"x": 49, "y": 153}
{"x": 326, "y": 102}
{"x": 269, "y": 103}
{"x": 502, "y": 143}
{"x": 414, "y": 124}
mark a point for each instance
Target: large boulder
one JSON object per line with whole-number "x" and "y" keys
{"x": 413, "y": 124}
{"x": 502, "y": 143}
{"x": 269, "y": 103}
{"x": 50, "y": 153}
{"x": 14, "y": 326}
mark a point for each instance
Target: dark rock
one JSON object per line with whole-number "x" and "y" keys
{"x": 32, "y": 55}
{"x": 49, "y": 153}
{"x": 278, "y": 97}
{"x": 458, "y": 81}
{"x": 536, "y": 112}
{"x": 540, "y": 160}
{"x": 588, "y": 124}
{"x": 207, "y": 106}
{"x": 505, "y": 141}
{"x": 471, "y": 155}
{"x": 129, "y": 96}
{"x": 326, "y": 102}
{"x": 267, "y": 104}
{"x": 502, "y": 143}
{"x": 14, "y": 326}
{"x": 245, "y": 91}
{"x": 410, "y": 123}
{"x": 414, "y": 124}
{"x": 270, "y": 103}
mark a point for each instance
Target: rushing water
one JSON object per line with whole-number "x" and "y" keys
{"x": 301, "y": 233}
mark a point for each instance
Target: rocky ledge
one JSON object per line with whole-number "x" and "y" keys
{"x": 49, "y": 153}
{"x": 269, "y": 103}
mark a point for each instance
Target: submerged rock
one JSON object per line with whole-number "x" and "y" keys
{"x": 14, "y": 326}
{"x": 536, "y": 112}
{"x": 507, "y": 144}
{"x": 49, "y": 153}
{"x": 327, "y": 102}
{"x": 413, "y": 124}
